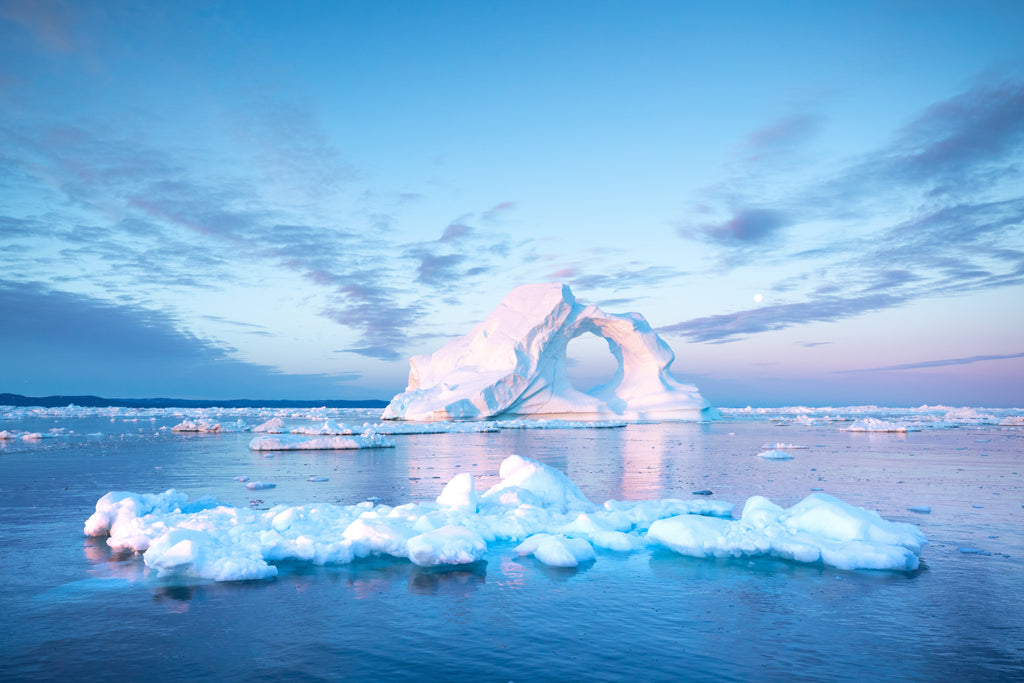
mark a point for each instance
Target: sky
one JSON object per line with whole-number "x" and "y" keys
{"x": 812, "y": 203}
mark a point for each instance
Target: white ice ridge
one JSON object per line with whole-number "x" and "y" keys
{"x": 533, "y": 505}
{"x": 514, "y": 364}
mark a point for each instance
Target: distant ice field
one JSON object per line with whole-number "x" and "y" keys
{"x": 82, "y": 609}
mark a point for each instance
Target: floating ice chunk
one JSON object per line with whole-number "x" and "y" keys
{"x": 4, "y": 435}
{"x": 202, "y": 427}
{"x": 371, "y": 534}
{"x": 775, "y": 455}
{"x": 242, "y": 478}
{"x": 921, "y": 509}
{"x": 819, "y": 528}
{"x": 871, "y": 424}
{"x": 600, "y": 532}
{"x": 550, "y": 486}
{"x": 292, "y": 442}
{"x": 446, "y": 545}
{"x": 274, "y": 425}
{"x": 556, "y": 550}
{"x": 459, "y": 492}
{"x": 1012, "y": 421}
{"x": 259, "y": 485}
{"x": 328, "y": 428}
{"x": 315, "y": 478}
{"x": 973, "y": 551}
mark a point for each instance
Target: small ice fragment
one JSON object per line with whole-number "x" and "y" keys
{"x": 259, "y": 485}
{"x": 374, "y": 499}
{"x": 973, "y": 551}
{"x": 921, "y": 509}
{"x": 242, "y": 478}
{"x": 977, "y": 507}
{"x": 817, "y": 489}
{"x": 703, "y": 492}
{"x": 775, "y": 455}
{"x": 316, "y": 478}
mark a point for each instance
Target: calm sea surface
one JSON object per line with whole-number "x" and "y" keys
{"x": 71, "y": 609}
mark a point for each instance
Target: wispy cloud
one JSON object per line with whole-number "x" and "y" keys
{"x": 734, "y": 326}
{"x": 937, "y": 363}
{"x": 936, "y": 212}
{"x": 59, "y": 337}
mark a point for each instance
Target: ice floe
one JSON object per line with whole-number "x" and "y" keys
{"x": 820, "y": 528}
{"x": 775, "y": 455}
{"x": 534, "y": 506}
{"x": 871, "y": 424}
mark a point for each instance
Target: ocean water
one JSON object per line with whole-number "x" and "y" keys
{"x": 74, "y": 609}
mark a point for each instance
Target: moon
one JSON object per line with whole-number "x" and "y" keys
{"x": 758, "y": 298}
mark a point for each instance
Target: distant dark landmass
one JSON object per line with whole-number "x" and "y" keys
{"x": 98, "y": 402}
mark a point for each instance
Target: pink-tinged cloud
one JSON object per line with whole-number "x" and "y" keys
{"x": 498, "y": 210}
{"x": 563, "y": 274}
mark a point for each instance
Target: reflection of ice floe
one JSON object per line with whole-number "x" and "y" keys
{"x": 295, "y": 442}
{"x": 209, "y": 540}
{"x": 871, "y": 424}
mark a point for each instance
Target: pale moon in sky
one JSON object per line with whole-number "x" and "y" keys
{"x": 758, "y": 298}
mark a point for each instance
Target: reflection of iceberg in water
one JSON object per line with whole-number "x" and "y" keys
{"x": 514, "y": 363}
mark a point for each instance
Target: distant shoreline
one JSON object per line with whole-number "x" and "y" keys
{"x": 99, "y": 402}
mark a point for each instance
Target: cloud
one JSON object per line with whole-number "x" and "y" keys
{"x": 47, "y": 21}
{"x": 625, "y": 278}
{"x": 935, "y": 212}
{"x": 937, "y": 363}
{"x": 734, "y": 326}
{"x": 498, "y": 211}
{"x": 747, "y": 226}
{"x": 70, "y": 343}
{"x": 372, "y": 309}
{"x": 438, "y": 269}
{"x": 782, "y": 137}
{"x": 455, "y": 232}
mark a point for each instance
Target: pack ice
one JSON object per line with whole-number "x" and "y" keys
{"x": 514, "y": 364}
{"x": 534, "y": 506}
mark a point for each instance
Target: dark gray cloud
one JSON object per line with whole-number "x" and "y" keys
{"x": 69, "y": 343}
{"x": 938, "y": 363}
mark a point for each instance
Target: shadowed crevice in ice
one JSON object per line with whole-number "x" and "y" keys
{"x": 534, "y": 505}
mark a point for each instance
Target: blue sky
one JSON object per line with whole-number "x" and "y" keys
{"x": 818, "y": 203}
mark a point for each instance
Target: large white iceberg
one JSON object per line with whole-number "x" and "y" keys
{"x": 514, "y": 364}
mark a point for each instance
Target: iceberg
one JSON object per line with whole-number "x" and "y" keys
{"x": 513, "y": 364}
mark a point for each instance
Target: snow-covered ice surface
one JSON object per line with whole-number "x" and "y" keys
{"x": 514, "y": 607}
